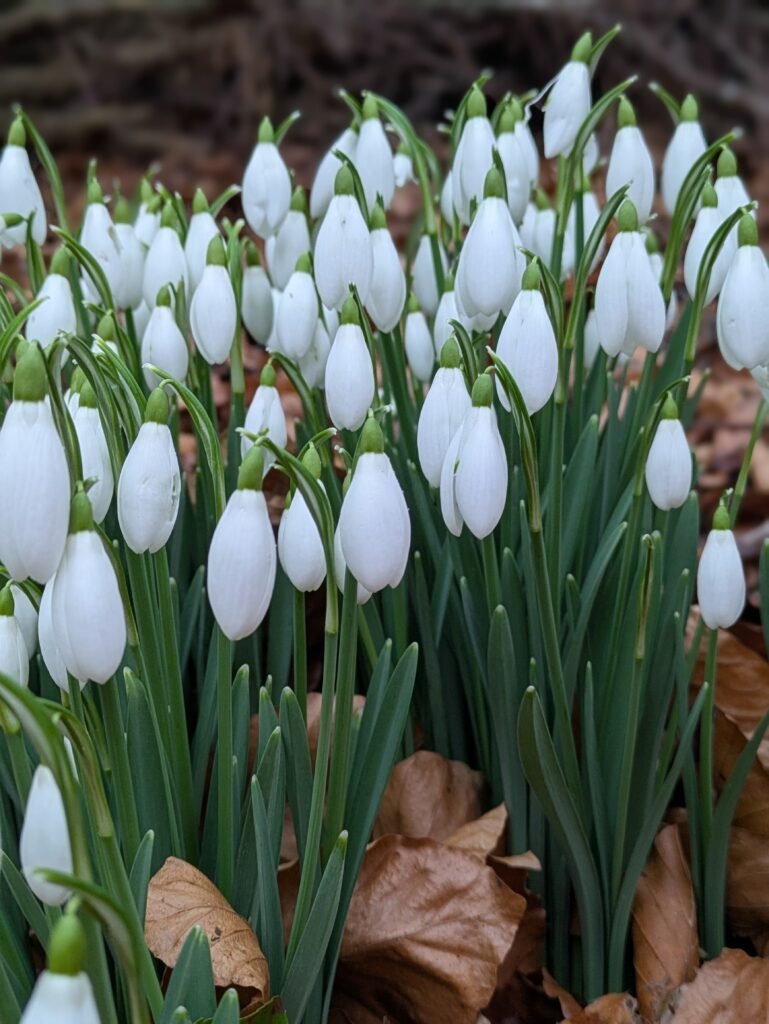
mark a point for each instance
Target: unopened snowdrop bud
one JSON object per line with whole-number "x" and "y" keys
{"x": 14, "y": 656}
{"x": 291, "y": 241}
{"x": 128, "y": 291}
{"x": 147, "y": 220}
{"x": 742, "y": 320}
{"x": 490, "y": 264}
{"x": 473, "y": 157}
{"x": 44, "y": 839}
{"x": 163, "y": 344}
{"x": 266, "y": 185}
{"x": 630, "y": 163}
{"x": 538, "y": 228}
{"x": 730, "y": 189}
{"x": 387, "y": 293}
{"x": 94, "y": 452}
{"x": 343, "y": 253}
{"x": 322, "y": 190}
{"x": 403, "y": 166}
{"x": 527, "y": 345}
{"x": 63, "y": 993}
{"x": 25, "y": 614}
{"x": 214, "y": 310}
{"x": 592, "y": 345}
{"x": 266, "y": 413}
{"x": 374, "y": 525}
{"x": 686, "y": 145}
{"x": 442, "y": 414}
{"x": 165, "y": 262}
{"x": 418, "y": 341}
{"x": 445, "y": 313}
{"x": 515, "y": 160}
{"x": 34, "y": 477}
{"x": 256, "y": 302}
{"x": 312, "y": 365}
{"x": 99, "y": 236}
{"x": 299, "y": 545}
{"x": 629, "y": 306}
{"x": 424, "y": 280}
{"x": 350, "y": 383}
{"x": 150, "y": 483}
{"x": 340, "y": 566}
{"x": 669, "y": 462}
{"x": 373, "y": 156}
{"x": 720, "y": 576}
{"x": 708, "y": 220}
{"x": 201, "y": 231}
{"x": 480, "y": 477}
{"x": 89, "y": 623}
{"x": 447, "y": 200}
{"x": 242, "y": 558}
{"x": 49, "y": 648}
{"x": 569, "y": 101}
{"x": 19, "y": 191}
{"x": 297, "y": 314}
{"x": 56, "y": 313}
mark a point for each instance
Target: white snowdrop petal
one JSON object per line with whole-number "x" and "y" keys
{"x": 669, "y": 466}
{"x": 322, "y": 190}
{"x": 452, "y": 517}
{"x": 95, "y": 459}
{"x": 14, "y": 656}
{"x": 686, "y": 145}
{"x": 55, "y": 315}
{"x": 340, "y": 571}
{"x": 742, "y": 319}
{"x": 149, "y": 489}
{"x": 163, "y": 345}
{"x": 291, "y": 242}
{"x": 481, "y": 477}
{"x": 297, "y": 315}
{"x": 266, "y": 189}
{"x": 265, "y": 411}
{"x": 631, "y": 164}
{"x": 165, "y": 265}
{"x": 201, "y": 231}
{"x": 374, "y": 162}
{"x": 343, "y": 253}
{"x": 300, "y": 548}
{"x": 257, "y": 304}
{"x": 445, "y": 407}
{"x": 25, "y": 614}
{"x": 387, "y": 291}
{"x": 61, "y": 999}
{"x": 350, "y": 384}
{"x": 214, "y": 314}
{"x": 720, "y": 581}
{"x": 418, "y": 342}
{"x": 567, "y": 107}
{"x": 20, "y": 193}
{"x": 528, "y": 347}
{"x": 44, "y": 839}
{"x": 424, "y": 281}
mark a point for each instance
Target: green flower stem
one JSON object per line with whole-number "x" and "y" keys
{"x": 742, "y": 480}
{"x": 121, "y": 771}
{"x": 491, "y": 573}
{"x": 237, "y": 411}
{"x": 391, "y": 348}
{"x": 225, "y": 851}
{"x": 555, "y": 489}
{"x": 149, "y": 647}
{"x": 706, "y": 739}
{"x": 579, "y": 353}
{"x": 300, "y": 652}
{"x": 22, "y": 773}
{"x": 626, "y": 777}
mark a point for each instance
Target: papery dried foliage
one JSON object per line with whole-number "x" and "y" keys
{"x": 569, "y": 1006}
{"x": 615, "y": 1008}
{"x": 313, "y": 718}
{"x": 665, "y": 940}
{"x": 181, "y": 897}
{"x": 733, "y": 989}
{"x": 482, "y": 836}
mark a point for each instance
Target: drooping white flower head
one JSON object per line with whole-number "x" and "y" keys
{"x": 423, "y": 277}
{"x": 452, "y": 517}
{"x": 14, "y": 655}
{"x": 300, "y": 548}
{"x": 403, "y": 167}
{"x": 444, "y": 314}
{"x": 387, "y": 292}
{"x": 266, "y": 413}
{"x": 297, "y": 314}
{"x": 528, "y": 347}
{"x": 49, "y": 648}
{"x": 44, "y": 839}
{"x": 266, "y": 185}
{"x": 669, "y": 462}
{"x": 708, "y": 220}
{"x": 63, "y": 993}
{"x": 56, "y": 313}
{"x": 150, "y": 483}
{"x": 291, "y": 241}
{"x": 322, "y": 190}
{"x": 87, "y": 610}
{"x": 720, "y": 576}
{"x": 242, "y": 558}
{"x": 26, "y": 615}
{"x": 19, "y": 191}
{"x": 128, "y": 291}
{"x": 99, "y": 237}
{"x": 418, "y": 342}
{"x": 592, "y": 345}
{"x": 94, "y": 453}
{"x": 313, "y": 363}
{"x": 730, "y": 190}
{"x": 163, "y": 344}
{"x": 538, "y": 230}
{"x": 166, "y": 263}
{"x": 568, "y": 102}
{"x": 256, "y": 300}
{"x": 630, "y": 163}
{"x": 629, "y": 306}
{"x": 374, "y": 525}
{"x": 742, "y": 321}
{"x": 272, "y": 344}
{"x": 515, "y": 154}
{"x": 214, "y": 310}
{"x": 686, "y": 145}
{"x": 350, "y": 383}
{"x": 442, "y": 414}
{"x": 447, "y": 199}
{"x": 343, "y": 253}
{"x": 34, "y": 477}
{"x": 147, "y": 221}
{"x": 199, "y": 234}
{"x": 473, "y": 158}
{"x": 340, "y": 569}
{"x": 374, "y": 157}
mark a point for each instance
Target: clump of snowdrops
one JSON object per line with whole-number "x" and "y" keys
{"x": 479, "y": 470}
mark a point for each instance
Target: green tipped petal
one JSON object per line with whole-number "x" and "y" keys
{"x": 343, "y": 183}
{"x": 451, "y": 357}
{"x": 311, "y": 461}
{"x": 81, "y": 512}
{"x": 494, "y": 184}
{"x": 215, "y": 254}
{"x": 532, "y": 278}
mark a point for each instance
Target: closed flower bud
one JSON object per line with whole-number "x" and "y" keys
{"x": 256, "y": 303}
{"x": 387, "y": 292}
{"x": 742, "y": 321}
{"x": 63, "y": 993}
{"x": 242, "y": 558}
{"x": 686, "y": 145}
{"x": 730, "y": 191}
{"x": 350, "y": 383}
{"x": 14, "y": 656}
{"x": 147, "y": 221}
{"x": 631, "y": 164}
{"x": 266, "y": 413}
{"x": 340, "y": 571}
{"x": 569, "y": 101}
{"x": 708, "y": 221}
{"x": 214, "y": 311}
{"x": 720, "y": 576}
{"x": 373, "y": 157}
{"x": 312, "y": 365}
{"x": 19, "y": 191}
{"x": 473, "y": 157}
{"x": 44, "y": 839}
{"x": 442, "y": 414}
{"x": 669, "y": 462}
{"x": 447, "y": 200}
{"x": 452, "y": 517}
{"x": 480, "y": 481}
{"x": 201, "y": 231}
{"x": 444, "y": 314}
{"x": 592, "y": 344}
{"x": 403, "y": 167}
{"x": 538, "y": 230}
{"x": 49, "y": 648}
{"x": 163, "y": 344}
{"x": 94, "y": 453}
{"x": 56, "y": 313}
{"x": 374, "y": 525}
{"x": 299, "y": 545}
{"x": 128, "y": 294}
{"x": 419, "y": 343}
{"x": 297, "y": 314}
{"x": 528, "y": 347}
{"x": 165, "y": 263}
{"x": 266, "y": 185}
{"x": 322, "y": 190}
{"x": 99, "y": 237}
{"x": 424, "y": 281}
{"x": 514, "y": 153}
{"x": 291, "y": 241}
{"x": 25, "y": 614}
{"x": 343, "y": 253}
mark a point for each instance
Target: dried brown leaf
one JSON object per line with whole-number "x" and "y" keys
{"x": 733, "y": 989}
{"x": 180, "y": 897}
{"x": 484, "y": 835}
{"x": 313, "y": 718}
{"x": 747, "y": 888}
{"x": 569, "y": 1005}
{"x": 752, "y": 810}
{"x": 615, "y": 1008}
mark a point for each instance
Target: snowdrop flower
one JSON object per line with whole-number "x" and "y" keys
{"x": 591, "y": 155}
{"x": 163, "y": 344}
{"x": 165, "y": 262}
{"x": 387, "y": 292}
{"x": 99, "y": 237}
{"x": 34, "y": 477}
{"x": 423, "y": 276}
{"x": 340, "y": 566}
{"x": 445, "y": 313}
{"x": 199, "y": 234}
{"x": 147, "y": 222}
{"x": 256, "y": 301}
{"x": 526, "y": 139}
{"x": 312, "y": 365}
{"x": 442, "y": 414}
{"x": 708, "y": 220}
{"x": 272, "y": 344}
{"x": 297, "y": 314}
{"x": 213, "y": 310}
{"x": 242, "y": 558}
{"x": 592, "y": 345}
{"x": 373, "y": 157}
{"x": 350, "y": 383}
{"x": 56, "y": 313}
{"x": 14, "y": 656}
{"x": 447, "y": 200}
{"x": 686, "y": 145}
{"x": 538, "y": 228}
{"x": 730, "y": 191}
{"x": 629, "y": 306}
{"x": 513, "y": 151}
{"x": 658, "y": 266}
{"x": 49, "y": 648}
{"x": 452, "y": 517}
{"x": 490, "y": 263}
{"x": 403, "y": 167}
{"x": 374, "y": 525}
{"x": 63, "y": 993}
{"x": 669, "y": 462}
{"x": 19, "y": 191}
{"x": 742, "y": 320}
{"x": 630, "y": 163}
{"x": 265, "y": 413}
{"x": 322, "y": 190}
{"x": 720, "y": 576}
{"x": 291, "y": 241}
{"x": 473, "y": 157}
{"x": 94, "y": 452}
{"x": 569, "y": 101}
{"x": 86, "y": 605}
{"x": 418, "y": 342}
{"x": 300, "y": 548}
{"x": 150, "y": 483}
{"x": 266, "y": 185}
{"x": 44, "y": 838}
{"x": 343, "y": 253}
{"x": 128, "y": 289}
{"x": 25, "y": 614}
{"x": 527, "y": 345}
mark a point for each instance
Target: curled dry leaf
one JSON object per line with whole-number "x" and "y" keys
{"x": 180, "y": 897}
{"x": 484, "y": 835}
{"x": 733, "y": 989}
{"x": 665, "y": 941}
{"x": 615, "y": 1008}
{"x": 428, "y": 795}
{"x": 569, "y": 1005}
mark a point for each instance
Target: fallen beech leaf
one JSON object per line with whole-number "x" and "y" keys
{"x": 514, "y": 869}
{"x": 569, "y": 1005}
{"x": 180, "y": 897}
{"x": 427, "y": 929}
{"x": 665, "y": 941}
{"x": 733, "y": 989}
{"x": 615, "y": 1008}
{"x": 482, "y": 836}
{"x": 747, "y": 886}
{"x": 428, "y": 795}
{"x": 313, "y": 718}
{"x": 752, "y": 810}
